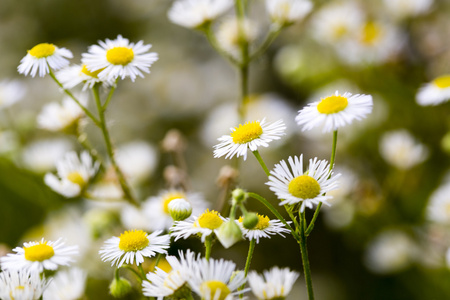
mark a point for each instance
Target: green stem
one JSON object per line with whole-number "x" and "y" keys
{"x": 271, "y": 36}
{"x": 208, "y": 246}
{"x": 212, "y": 40}
{"x": 245, "y": 60}
{"x": 251, "y": 249}
{"x": 109, "y": 148}
{"x": 158, "y": 258}
{"x": 82, "y": 139}
{"x": 261, "y": 162}
{"x": 111, "y": 92}
{"x": 141, "y": 270}
{"x": 305, "y": 259}
{"x": 132, "y": 270}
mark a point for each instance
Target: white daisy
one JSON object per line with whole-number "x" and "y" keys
{"x": 251, "y": 135}
{"x": 74, "y": 75}
{"x": 41, "y": 155}
{"x": 334, "y": 111}
{"x": 43, "y": 56}
{"x": 156, "y": 209}
{"x": 132, "y": 246}
{"x": 74, "y": 174}
{"x": 285, "y": 12}
{"x": 205, "y": 225}
{"x": 195, "y": 13}
{"x": 37, "y": 256}
{"x": 173, "y": 283}
{"x": 273, "y": 284}
{"x": 435, "y": 92}
{"x": 293, "y": 185}
{"x": 66, "y": 285}
{"x": 21, "y": 285}
{"x": 119, "y": 58}
{"x": 216, "y": 279}
{"x": 400, "y": 149}
{"x": 263, "y": 229}
{"x": 438, "y": 207}
{"x": 11, "y": 91}
{"x": 63, "y": 116}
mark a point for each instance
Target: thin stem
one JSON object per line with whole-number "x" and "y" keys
{"x": 141, "y": 269}
{"x": 208, "y": 246}
{"x": 132, "y": 270}
{"x": 158, "y": 258}
{"x": 245, "y": 60}
{"x": 261, "y": 162}
{"x": 251, "y": 249}
{"x": 111, "y": 92}
{"x": 82, "y": 139}
{"x": 305, "y": 259}
{"x": 109, "y": 148}
{"x": 271, "y": 36}
{"x": 212, "y": 40}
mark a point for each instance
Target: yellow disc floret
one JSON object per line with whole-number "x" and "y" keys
{"x": 120, "y": 55}
{"x": 210, "y": 289}
{"x": 442, "y": 82}
{"x": 169, "y": 197}
{"x": 94, "y": 74}
{"x": 263, "y": 222}
{"x": 76, "y": 178}
{"x": 332, "y": 104}
{"x": 371, "y": 33}
{"x": 210, "y": 220}
{"x": 42, "y": 50}
{"x": 304, "y": 187}
{"x": 133, "y": 240}
{"x": 247, "y": 132}
{"x": 39, "y": 252}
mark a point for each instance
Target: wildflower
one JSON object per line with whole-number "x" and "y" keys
{"x": 434, "y": 92}
{"x": 119, "y": 58}
{"x": 273, "y": 284}
{"x": 264, "y": 228}
{"x": 73, "y": 174}
{"x": 21, "y": 285}
{"x": 37, "y": 256}
{"x": 438, "y": 208}
{"x": 132, "y": 246}
{"x": 11, "y": 91}
{"x": 196, "y": 13}
{"x": 41, "y": 155}
{"x": 400, "y": 149}
{"x": 334, "y": 111}
{"x": 43, "y": 56}
{"x": 66, "y": 285}
{"x": 205, "y": 225}
{"x": 251, "y": 135}
{"x": 293, "y": 185}
{"x": 286, "y": 12}
{"x": 74, "y": 75}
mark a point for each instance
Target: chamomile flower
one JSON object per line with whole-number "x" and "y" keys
{"x": 434, "y": 92}
{"x": 21, "y": 285}
{"x": 293, "y": 186}
{"x": 162, "y": 284}
{"x": 67, "y": 285}
{"x": 334, "y": 111}
{"x": 195, "y": 13}
{"x": 286, "y": 12}
{"x": 119, "y": 58}
{"x": 39, "y": 256}
{"x": 77, "y": 74}
{"x": 205, "y": 225}
{"x": 216, "y": 279}
{"x": 73, "y": 173}
{"x": 263, "y": 229}
{"x": 132, "y": 246}
{"x": 11, "y": 91}
{"x": 43, "y": 56}
{"x": 251, "y": 135}
{"x": 273, "y": 284}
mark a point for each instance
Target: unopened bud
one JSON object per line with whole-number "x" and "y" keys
{"x": 250, "y": 220}
{"x": 238, "y": 195}
{"x": 229, "y": 233}
{"x": 119, "y": 287}
{"x": 179, "y": 209}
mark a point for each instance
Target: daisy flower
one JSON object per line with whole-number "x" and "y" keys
{"x": 119, "y": 58}
{"x": 21, "y": 285}
{"x": 293, "y": 185}
{"x": 134, "y": 245}
{"x": 205, "y": 225}
{"x": 263, "y": 229}
{"x": 334, "y": 111}
{"x": 66, "y": 285}
{"x": 273, "y": 284}
{"x": 74, "y": 174}
{"x": 438, "y": 207}
{"x": 251, "y": 135}
{"x": 172, "y": 284}
{"x": 195, "y": 13}
{"x": 37, "y": 256}
{"x": 435, "y": 92}
{"x": 286, "y": 12}
{"x": 216, "y": 279}
{"x": 43, "y": 56}
{"x": 11, "y": 91}
{"x": 77, "y": 74}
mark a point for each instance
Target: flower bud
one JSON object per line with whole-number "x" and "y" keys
{"x": 250, "y": 220}
{"x": 239, "y": 196}
{"x": 119, "y": 287}
{"x": 180, "y": 209}
{"x": 229, "y": 233}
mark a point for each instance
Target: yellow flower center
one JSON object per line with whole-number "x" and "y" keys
{"x": 304, "y": 187}
{"x": 94, "y": 74}
{"x": 263, "y": 222}
{"x": 39, "y": 252}
{"x": 169, "y": 197}
{"x": 442, "y": 82}
{"x": 120, "y": 55}
{"x": 371, "y": 32}
{"x": 247, "y": 132}
{"x": 76, "y": 178}
{"x": 42, "y": 50}
{"x": 212, "y": 287}
{"x": 340, "y": 31}
{"x": 332, "y": 104}
{"x": 210, "y": 220}
{"x": 133, "y": 240}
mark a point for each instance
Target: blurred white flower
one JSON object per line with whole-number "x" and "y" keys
{"x": 21, "y": 285}
{"x": 400, "y": 149}
{"x": 434, "y": 92}
{"x": 401, "y": 9}
{"x": 286, "y": 12}
{"x": 11, "y": 91}
{"x": 275, "y": 283}
{"x": 9, "y": 141}
{"x": 228, "y": 35}
{"x": 41, "y": 155}
{"x": 438, "y": 208}
{"x": 66, "y": 285}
